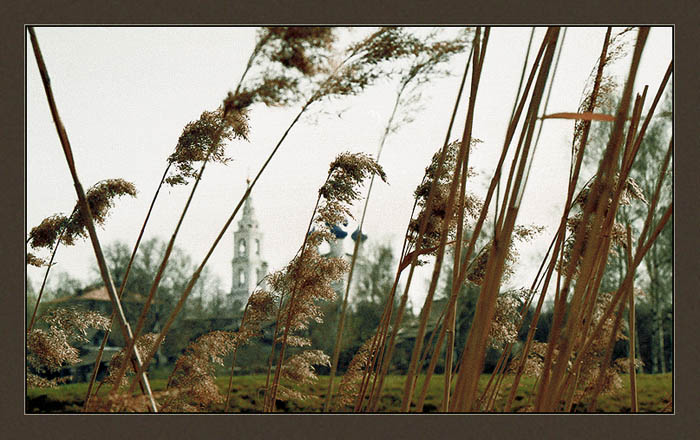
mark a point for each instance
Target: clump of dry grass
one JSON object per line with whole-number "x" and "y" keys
{"x": 346, "y": 172}
{"x": 57, "y": 229}
{"x": 601, "y": 95}
{"x": 534, "y": 361}
{"x": 434, "y": 215}
{"x": 45, "y": 234}
{"x": 628, "y": 193}
{"x": 299, "y": 369}
{"x": 285, "y": 58}
{"x": 504, "y": 327}
{"x": 477, "y": 269}
{"x": 120, "y": 402}
{"x": 192, "y": 384}
{"x": 205, "y": 138}
{"x": 352, "y": 379}
{"x": 51, "y": 349}
{"x": 144, "y": 344}
{"x": 595, "y": 362}
{"x": 100, "y": 199}
{"x": 35, "y": 261}
{"x": 259, "y": 309}
{"x": 311, "y": 276}
{"x": 308, "y": 277}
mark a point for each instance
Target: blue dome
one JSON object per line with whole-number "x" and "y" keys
{"x": 356, "y": 233}
{"x": 339, "y": 233}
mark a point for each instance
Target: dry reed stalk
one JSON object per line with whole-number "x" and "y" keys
{"x": 652, "y": 108}
{"x": 641, "y": 251}
{"x": 353, "y": 261}
{"x": 333, "y": 85}
{"x": 412, "y": 261}
{"x": 522, "y": 73}
{"x": 271, "y": 390}
{"x": 632, "y": 321}
{"x": 605, "y": 365}
{"x": 231, "y": 106}
{"x": 502, "y": 364}
{"x": 376, "y": 356}
{"x": 43, "y": 283}
{"x": 513, "y": 126}
{"x": 200, "y": 140}
{"x": 559, "y": 236}
{"x": 494, "y": 183}
{"x": 161, "y": 268}
{"x": 57, "y": 229}
{"x": 377, "y": 347}
{"x": 233, "y": 364}
{"x": 98, "y": 359}
{"x": 484, "y": 210}
{"x": 461, "y": 168}
{"x": 430, "y": 347}
{"x": 386, "y": 357}
{"x": 337, "y": 192}
{"x": 590, "y": 302}
{"x": 475, "y": 347}
{"x": 450, "y": 321}
{"x": 591, "y": 293}
{"x": 546, "y": 397}
{"x": 85, "y": 211}
{"x": 424, "y": 67}
{"x": 271, "y": 358}
{"x": 627, "y": 159}
{"x": 625, "y": 171}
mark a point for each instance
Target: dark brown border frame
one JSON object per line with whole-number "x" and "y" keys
{"x": 681, "y": 14}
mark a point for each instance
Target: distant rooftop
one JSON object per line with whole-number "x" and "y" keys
{"x": 99, "y": 294}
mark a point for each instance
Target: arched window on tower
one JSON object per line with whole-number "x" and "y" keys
{"x": 257, "y": 246}
{"x": 241, "y": 277}
{"x": 241, "y": 247}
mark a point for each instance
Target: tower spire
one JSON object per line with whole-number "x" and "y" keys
{"x": 248, "y": 211}
{"x": 248, "y": 264}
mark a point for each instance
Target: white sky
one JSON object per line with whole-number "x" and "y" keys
{"x": 124, "y": 95}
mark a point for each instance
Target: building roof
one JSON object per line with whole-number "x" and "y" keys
{"x": 99, "y": 294}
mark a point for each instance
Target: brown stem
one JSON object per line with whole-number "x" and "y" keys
{"x": 290, "y": 308}
{"x": 463, "y": 160}
{"x": 378, "y": 347}
{"x": 98, "y": 360}
{"x": 634, "y": 407}
{"x": 574, "y": 171}
{"x": 43, "y": 283}
{"x": 475, "y": 347}
{"x": 195, "y": 276}
{"x": 85, "y": 208}
{"x": 272, "y": 350}
{"x": 353, "y": 261}
{"x": 233, "y": 362}
{"x": 164, "y": 263}
{"x": 546, "y": 399}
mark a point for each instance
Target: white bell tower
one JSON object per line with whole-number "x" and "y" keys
{"x": 247, "y": 264}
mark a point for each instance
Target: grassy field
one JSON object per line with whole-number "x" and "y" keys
{"x": 654, "y": 393}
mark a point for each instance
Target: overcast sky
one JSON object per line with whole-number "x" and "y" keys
{"x": 124, "y": 95}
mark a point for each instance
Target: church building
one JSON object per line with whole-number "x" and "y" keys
{"x": 248, "y": 265}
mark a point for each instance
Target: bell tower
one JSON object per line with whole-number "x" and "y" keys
{"x": 248, "y": 266}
